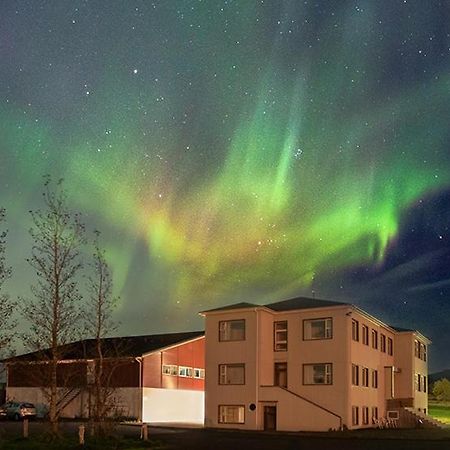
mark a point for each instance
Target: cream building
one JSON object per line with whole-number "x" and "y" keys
{"x": 307, "y": 364}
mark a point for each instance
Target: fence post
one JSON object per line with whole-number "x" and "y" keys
{"x": 81, "y": 430}
{"x": 25, "y": 428}
{"x": 144, "y": 432}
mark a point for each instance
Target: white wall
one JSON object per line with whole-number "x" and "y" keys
{"x": 173, "y": 405}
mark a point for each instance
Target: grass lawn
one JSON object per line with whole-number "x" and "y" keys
{"x": 43, "y": 443}
{"x": 440, "y": 412}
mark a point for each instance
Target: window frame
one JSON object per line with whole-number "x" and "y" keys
{"x": 277, "y": 342}
{"x": 189, "y": 371}
{"x": 230, "y": 406}
{"x": 382, "y": 343}
{"x": 355, "y": 375}
{"x": 330, "y": 374}
{"x": 235, "y": 365}
{"x": 375, "y": 378}
{"x": 355, "y": 415}
{"x": 390, "y": 346}
{"x": 230, "y": 321}
{"x": 355, "y": 330}
{"x": 365, "y": 415}
{"x": 365, "y": 334}
{"x": 318, "y": 319}
{"x": 374, "y": 336}
{"x": 364, "y": 376}
{"x": 201, "y": 373}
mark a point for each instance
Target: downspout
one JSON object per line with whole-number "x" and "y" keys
{"x": 141, "y": 390}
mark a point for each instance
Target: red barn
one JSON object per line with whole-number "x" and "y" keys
{"x": 151, "y": 377}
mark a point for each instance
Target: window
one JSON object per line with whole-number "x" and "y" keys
{"x": 393, "y": 415}
{"x": 365, "y": 415}
{"x": 168, "y": 369}
{"x": 186, "y": 372}
{"x": 375, "y": 339}
{"x": 365, "y": 377}
{"x": 417, "y": 382}
{"x": 232, "y": 374}
{"x": 317, "y": 329}
{"x": 232, "y": 330}
{"x": 374, "y": 414}
{"x": 417, "y": 349}
{"x": 318, "y": 373}
{"x": 424, "y": 383}
{"x": 374, "y": 378}
{"x": 390, "y": 347}
{"x": 280, "y": 375}
{"x": 424, "y": 352}
{"x": 280, "y": 335}
{"x": 355, "y": 375}
{"x": 365, "y": 335}
{"x": 199, "y": 373}
{"x": 355, "y": 415}
{"x": 383, "y": 343}
{"x": 355, "y": 330}
{"x": 231, "y": 414}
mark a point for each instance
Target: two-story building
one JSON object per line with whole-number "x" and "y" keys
{"x": 308, "y": 364}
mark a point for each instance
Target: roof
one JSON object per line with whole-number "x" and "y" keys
{"x": 124, "y": 347}
{"x": 291, "y": 304}
{"x": 400, "y": 329}
{"x": 302, "y": 303}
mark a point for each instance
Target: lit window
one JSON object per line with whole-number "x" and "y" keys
{"x": 317, "y": 329}
{"x": 355, "y": 375}
{"x": 318, "y": 373}
{"x": 231, "y": 414}
{"x": 232, "y": 374}
{"x": 232, "y": 330}
{"x": 355, "y": 330}
{"x": 280, "y": 335}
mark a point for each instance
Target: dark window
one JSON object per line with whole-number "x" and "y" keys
{"x": 355, "y": 415}
{"x": 365, "y": 335}
{"x": 355, "y": 375}
{"x": 390, "y": 346}
{"x": 232, "y": 330}
{"x": 375, "y": 339}
{"x": 318, "y": 329}
{"x": 383, "y": 343}
{"x": 355, "y": 330}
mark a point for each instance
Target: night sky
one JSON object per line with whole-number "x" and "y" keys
{"x": 238, "y": 150}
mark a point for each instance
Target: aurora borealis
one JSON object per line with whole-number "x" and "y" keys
{"x": 238, "y": 150}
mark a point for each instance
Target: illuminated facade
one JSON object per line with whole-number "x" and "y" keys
{"x": 307, "y": 364}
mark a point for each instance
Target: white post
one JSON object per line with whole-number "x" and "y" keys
{"x": 81, "y": 430}
{"x": 25, "y": 428}
{"x": 144, "y": 432}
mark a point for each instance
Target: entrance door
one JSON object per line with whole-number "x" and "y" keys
{"x": 280, "y": 375}
{"x": 270, "y": 417}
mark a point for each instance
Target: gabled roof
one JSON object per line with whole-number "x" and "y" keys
{"x": 291, "y": 304}
{"x": 241, "y": 305}
{"x": 302, "y": 303}
{"x": 123, "y": 347}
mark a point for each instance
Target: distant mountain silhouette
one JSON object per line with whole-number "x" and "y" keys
{"x": 438, "y": 375}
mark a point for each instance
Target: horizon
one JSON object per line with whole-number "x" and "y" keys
{"x": 237, "y": 151}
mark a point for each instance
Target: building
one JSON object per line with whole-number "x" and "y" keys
{"x": 151, "y": 376}
{"x": 307, "y": 364}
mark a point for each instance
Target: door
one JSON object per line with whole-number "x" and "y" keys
{"x": 280, "y": 378}
{"x": 270, "y": 418}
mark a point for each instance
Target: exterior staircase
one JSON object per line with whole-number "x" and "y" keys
{"x": 421, "y": 419}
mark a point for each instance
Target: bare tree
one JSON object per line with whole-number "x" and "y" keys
{"x": 7, "y": 325}
{"x": 100, "y": 324}
{"x": 53, "y": 311}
